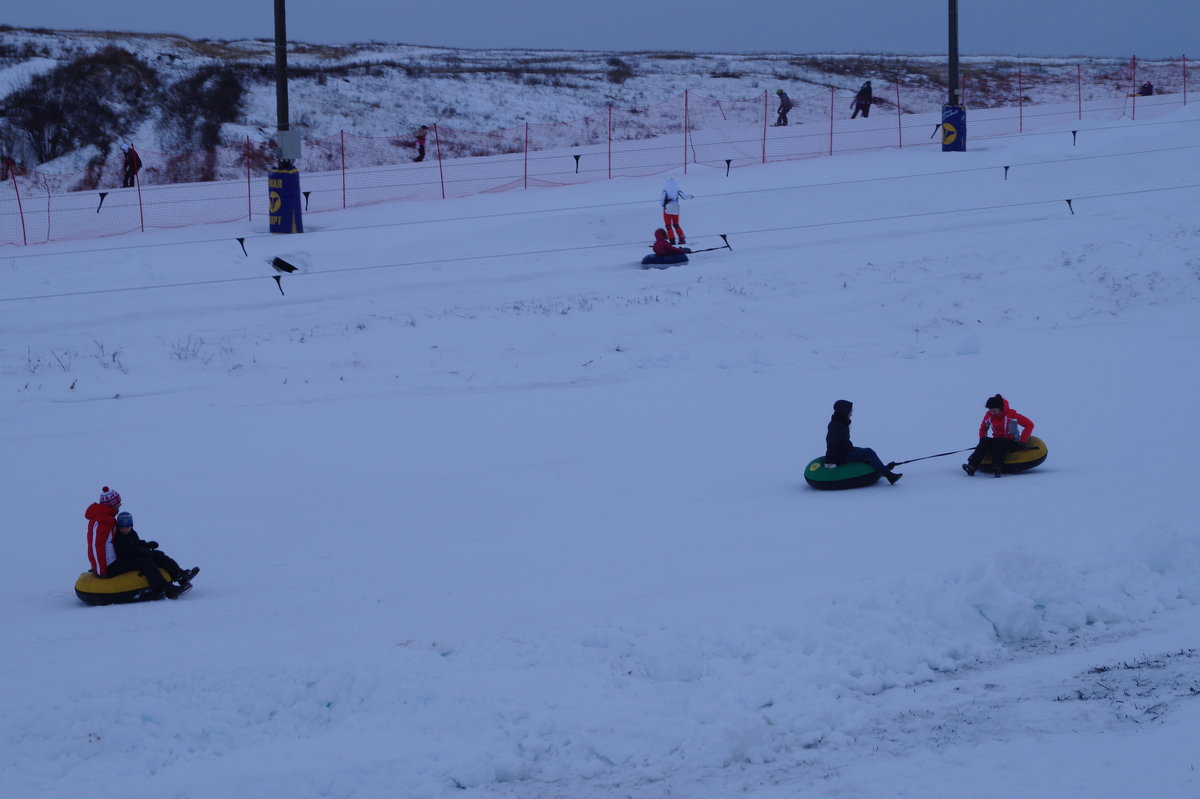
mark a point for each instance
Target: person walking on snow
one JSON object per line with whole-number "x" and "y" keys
{"x": 862, "y": 101}
{"x": 1010, "y": 432}
{"x": 785, "y": 105}
{"x": 839, "y": 449}
{"x": 670, "y": 197}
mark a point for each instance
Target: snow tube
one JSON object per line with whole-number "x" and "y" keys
{"x": 854, "y": 474}
{"x": 127, "y": 587}
{"x": 663, "y": 261}
{"x": 1019, "y": 461}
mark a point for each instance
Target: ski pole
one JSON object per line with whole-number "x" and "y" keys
{"x": 940, "y": 454}
{"x": 722, "y": 247}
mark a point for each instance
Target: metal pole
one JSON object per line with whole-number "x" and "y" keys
{"x": 955, "y": 94}
{"x": 281, "y": 94}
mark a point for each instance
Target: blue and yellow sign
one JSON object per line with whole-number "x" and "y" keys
{"x": 954, "y": 129}
{"x": 283, "y": 201}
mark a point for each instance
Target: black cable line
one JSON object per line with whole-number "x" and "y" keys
{"x": 556, "y": 250}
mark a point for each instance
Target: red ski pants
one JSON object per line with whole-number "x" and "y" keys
{"x": 674, "y": 231}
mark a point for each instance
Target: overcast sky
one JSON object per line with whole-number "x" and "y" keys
{"x": 1148, "y": 29}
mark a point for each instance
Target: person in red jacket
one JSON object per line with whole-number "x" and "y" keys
{"x": 662, "y": 246}
{"x": 1010, "y": 432}
{"x": 102, "y": 523}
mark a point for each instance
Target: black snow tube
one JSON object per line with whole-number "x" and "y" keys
{"x": 663, "y": 261}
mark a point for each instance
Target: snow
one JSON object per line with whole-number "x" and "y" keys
{"x": 485, "y": 510}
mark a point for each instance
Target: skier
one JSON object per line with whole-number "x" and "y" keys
{"x": 785, "y": 105}
{"x": 862, "y": 101}
{"x": 670, "y": 197}
{"x": 1010, "y": 432}
{"x": 133, "y": 165}
{"x": 839, "y": 449}
{"x": 421, "y": 134}
{"x": 134, "y": 554}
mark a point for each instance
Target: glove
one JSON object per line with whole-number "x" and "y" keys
{"x": 686, "y": 249}
{"x": 150, "y": 544}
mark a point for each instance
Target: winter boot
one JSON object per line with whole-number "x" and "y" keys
{"x": 185, "y": 577}
{"x": 682, "y": 240}
{"x": 176, "y": 591}
{"x": 892, "y": 477}
{"x": 671, "y": 242}
{"x": 969, "y": 469}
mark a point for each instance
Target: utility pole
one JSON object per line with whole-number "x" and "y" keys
{"x": 954, "y": 114}
{"x": 283, "y": 182}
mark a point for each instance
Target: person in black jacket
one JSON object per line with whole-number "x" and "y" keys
{"x": 862, "y": 101}
{"x": 785, "y": 105}
{"x": 134, "y": 554}
{"x": 839, "y": 449}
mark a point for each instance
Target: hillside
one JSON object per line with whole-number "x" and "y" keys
{"x": 486, "y": 511}
{"x": 206, "y": 93}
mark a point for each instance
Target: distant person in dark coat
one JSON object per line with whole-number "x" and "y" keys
{"x": 421, "y": 136}
{"x": 133, "y": 165}
{"x": 862, "y": 101}
{"x": 1147, "y": 89}
{"x": 839, "y": 449}
{"x": 785, "y": 105}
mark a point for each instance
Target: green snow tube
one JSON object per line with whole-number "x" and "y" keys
{"x": 854, "y": 474}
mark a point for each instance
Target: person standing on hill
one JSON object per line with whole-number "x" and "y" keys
{"x": 133, "y": 165}
{"x": 670, "y": 197}
{"x": 421, "y": 136}
{"x": 862, "y": 101}
{"x": 785, "y": 105}
{"x": 1010, "y": 432}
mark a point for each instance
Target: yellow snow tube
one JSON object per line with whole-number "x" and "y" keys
{"x": 128, "y": 587}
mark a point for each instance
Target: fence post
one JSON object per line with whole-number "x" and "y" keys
{"x": 832, "y": 111}
{"x": 685, "y": 129}
{"x": 249, "y": 188}
{"x": 1184, "y": 79}
{"x": 437, "y": 142}
{"x": 343, "y": 146}
{"x": 20, "y": 208}
{"x": 1020, "y": 103}
{"x": 1133, "y": 87}
{"x": 1079, "y": 88}
{"x": 526, "y": 155}
{"x": 141, "y": 211}
{"x": 610, "y": 134}
{"x": 46, "y": 183}
{"x": 765, "y": 113}
{"x": 899, "y": 119}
